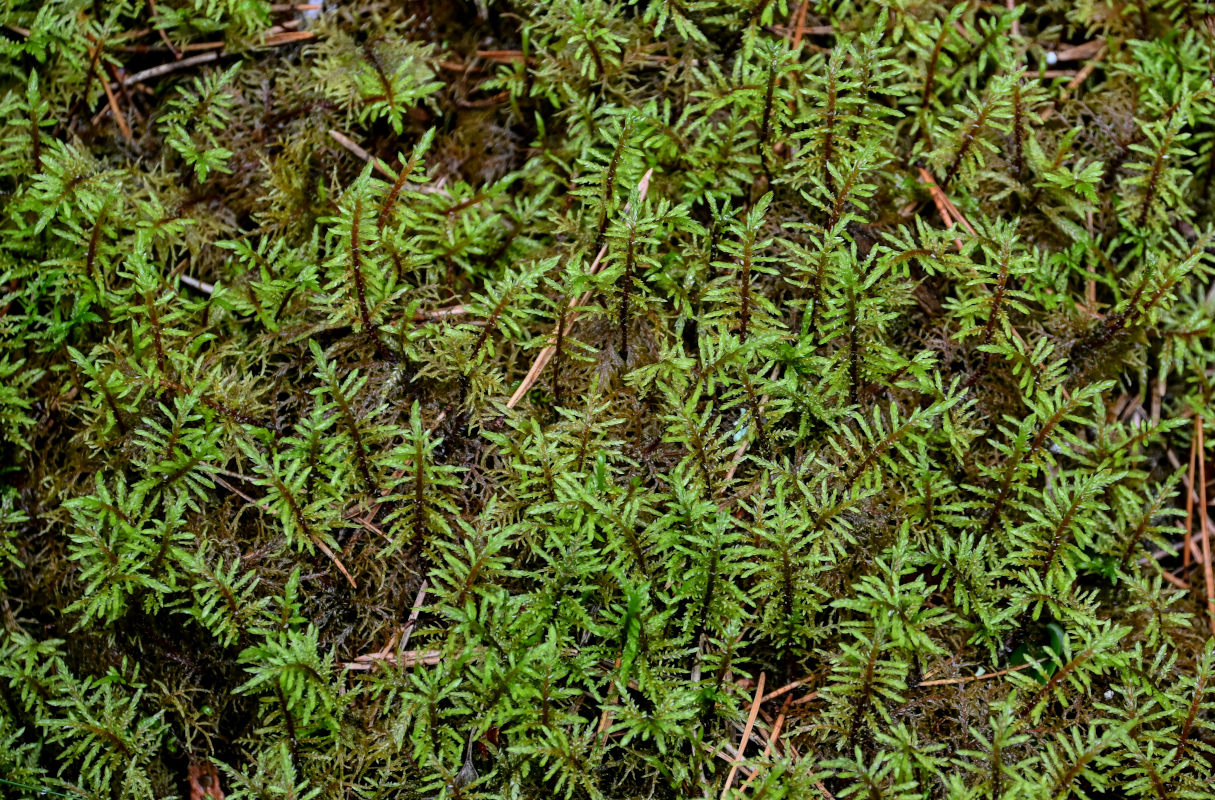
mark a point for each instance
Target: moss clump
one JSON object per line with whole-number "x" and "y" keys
{"x": 500, "y": 399}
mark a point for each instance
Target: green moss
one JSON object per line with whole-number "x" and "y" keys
{"x": 275, "y": 501}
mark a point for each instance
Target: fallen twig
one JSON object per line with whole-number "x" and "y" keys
{"x": 742, "y": 746}
{"x": 172, "y": 66}
{"x": 195, "y": 283}
{"x": 409, "y": 658}
{"x": 772, "y": 739}
{"x": 352, "y": 146}
{"x": 788, "y": 687}
{"x": 440, "y": 313}
{"x": 1189, "y": 496}
{"x": 119, "y": 117}
{"x": 547, "y": 353}
{"x": 970, "y": 678}
{"x": 1208, "y": 570}
{"x": 280, "y": 38}
{"x": 945, "y": 207}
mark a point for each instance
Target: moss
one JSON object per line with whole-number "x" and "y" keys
{"x": 500, "y": 399}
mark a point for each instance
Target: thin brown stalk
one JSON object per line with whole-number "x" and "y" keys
{"x": 1208, "y": 570}
{"x": 172, "y": 66}
{"x": 971, "y": 678}
{"x": 352, "y": 146}
{"x": 772, "y": 739}
{"x": 742, "y": 746}
{"x": 546, "y": 354}
{"x": 119, "y": 117}
{"x": 1189, "y": 495}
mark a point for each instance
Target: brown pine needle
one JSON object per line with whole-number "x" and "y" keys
{"x": 549, "y": 351}
{"x": 799, "y": 27}
{"x": 1208, "y": 570}
{"x": 501, "y": 56}
{"x": 772, "y": 740}
{"x": 742, "y": 746}
{"x": 195, "y": 283}
{"x": 440, "y": 313}
{"x": 784, "y": 690}
{"x": 278, "y": 39}
{"x": 337, "y": 562}
{"x": 1075, "y": 82}
{"x": 172, "y": 66}
{"x": 1173, "y": 579}
{"x": 1079, "y": 52}
{"x": 163, "y": 36}
{"x": 1189, "y": 495}
{"x": 412, "y": 622}
{"x": 801, "y": 701}
{"x": 971, "y": 678}
{"x": 119, "y": 117}
{"x": 409, "y": 658}
{"x": 1087, "y": 70}
{"x": 605, "y": 719}
{"x": 352, "y": 146}
{"x": 943, "y": 205}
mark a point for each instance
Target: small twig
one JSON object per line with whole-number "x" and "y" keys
{"x": 195, "y": 283}
{"x": 141, "y": 49}
{"x": 172, "y": 66}
{"x": 409, "y": 658}
{"x": 799, "y": 27}
{"x": 1189, "y": 496}
{"x": 402, "y": 633}
{"x": 119, "y": 117}
{"x": 605, "y": 719}
{"x": 412, "y": 622}
{"x": 1173, "y": 579}
{"x": 811, "y": 30}
{"x": 1193, "y": 492}
{"x": 1208, "y": 570}
{"x": 440, "y": 313}
{"x": 1075, "y": 82}
{"x": 163, "y": 36}
{"x": 942, "y": 203}
{"x": 501, "y": 56}
{"x": 784, "y": 690}
{"x": 280, "y": 38}
{"x": 547, "y": 353}
{"x": 1085, "y": 71}
{"x": 971, "y": 678}
{"x": 801, "y": 701}
{"x": 742, "y": 746}
{"x": 352, "y": 146}
{"x": 1079, "y": 52}
{"x": 772, "y": 739}
{"x": 485, "y": 102}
